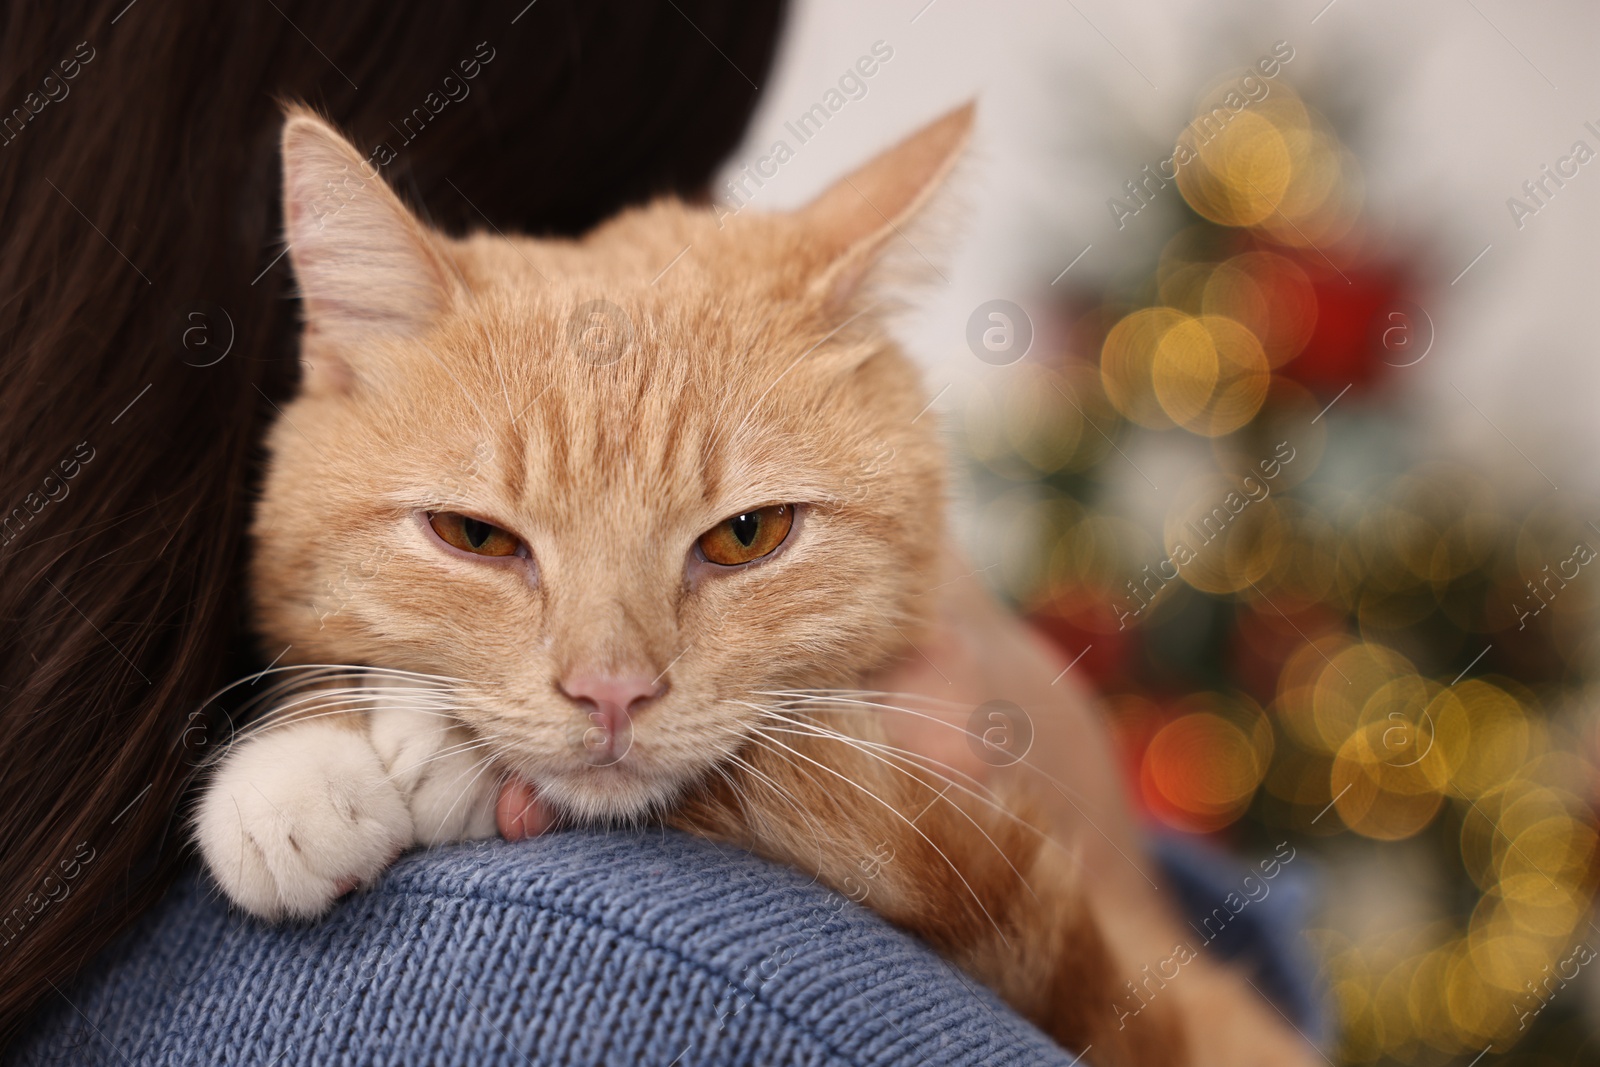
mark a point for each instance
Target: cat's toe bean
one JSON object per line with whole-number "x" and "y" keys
{"x": 297, "y": 816}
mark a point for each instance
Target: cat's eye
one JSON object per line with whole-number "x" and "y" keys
{"x": 747, "y": 537}
{"x": 473, "y": 535}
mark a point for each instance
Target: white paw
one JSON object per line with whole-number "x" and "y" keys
{"x": 443, "y": 770}
{"x": 294, "y": 817}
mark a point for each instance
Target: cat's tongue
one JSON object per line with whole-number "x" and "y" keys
{"x": 518, "y": 812}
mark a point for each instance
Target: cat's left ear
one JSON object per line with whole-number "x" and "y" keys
{"x": 852, "y": 225}
{"x": 364, "y": 263}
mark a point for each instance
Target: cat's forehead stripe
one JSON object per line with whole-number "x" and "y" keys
{"x": 648, "y": 430}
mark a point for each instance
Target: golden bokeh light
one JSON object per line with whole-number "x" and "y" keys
{"x": 1222, "y": 536}
{"x": 1127, "y": 362}
{"x": 1501, "y": 737}
{"x": 1275, "y": 167}
{"x": 1368, "y": 599}
{"x": 1378, "y": 798}
{"x": 1346, "y": 684}
{"x": 1268, "y": 294}
{"x": 1210, "y": 374}
{"x": 1239, "y": 173}
{"x": 1297, "y": 693}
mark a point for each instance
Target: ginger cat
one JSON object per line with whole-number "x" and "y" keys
{"x": 609, "y": 516}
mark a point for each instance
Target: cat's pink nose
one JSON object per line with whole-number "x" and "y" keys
{"x": 613, "y": 699}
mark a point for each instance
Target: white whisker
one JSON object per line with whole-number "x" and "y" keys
{"x": 314, "y": 671}
{"x": 782, "y": 794}
{"x": 825, "y": 704}
{"x": 854, "y": 696}
{"x": 483, "y": 765}
{"x": 458, "y": 749}
{"x": 333, "y": 708}
{"x": 862, "y": 746}
{"x": 891, "y": 808}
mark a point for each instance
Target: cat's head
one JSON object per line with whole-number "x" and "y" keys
{"x": 617, "y": 486}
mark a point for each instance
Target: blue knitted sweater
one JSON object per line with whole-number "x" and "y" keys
{"x": 571, "y": 949}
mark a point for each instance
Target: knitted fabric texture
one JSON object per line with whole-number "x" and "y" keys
{"x": 639, "y": 949}
{"x": 571, "y": 949}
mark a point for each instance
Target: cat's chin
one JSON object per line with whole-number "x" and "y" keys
{"x": 617, "y": 793}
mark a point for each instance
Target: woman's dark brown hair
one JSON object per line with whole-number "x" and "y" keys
{"x": 148, "y": 329}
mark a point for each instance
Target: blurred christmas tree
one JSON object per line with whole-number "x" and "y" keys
{"x": 1322, "y": 635}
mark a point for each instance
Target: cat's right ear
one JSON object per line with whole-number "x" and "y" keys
{"x": 851, "y": 226}
{"x": 365, "y": 265}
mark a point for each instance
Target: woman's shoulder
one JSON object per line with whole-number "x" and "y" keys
{"x": 635, "y": 947}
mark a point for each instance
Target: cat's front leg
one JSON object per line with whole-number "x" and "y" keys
{"x": 303, "y": 812}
